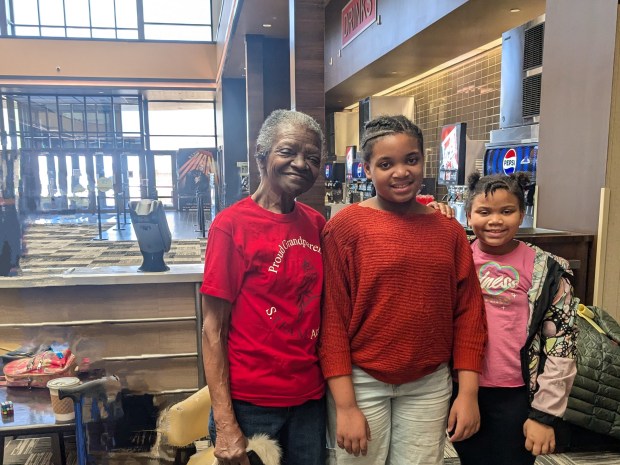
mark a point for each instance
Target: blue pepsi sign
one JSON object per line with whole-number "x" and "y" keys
{"x": 358, "y": 170}
{"x": 508, "y": 160}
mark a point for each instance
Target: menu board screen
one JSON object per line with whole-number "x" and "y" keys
{"x": 452, "y": 154}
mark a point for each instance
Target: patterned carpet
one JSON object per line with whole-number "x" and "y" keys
{"x": 571, "y": 458}
{"x": 54, "y": 248}
{"x": 37, "y": 451}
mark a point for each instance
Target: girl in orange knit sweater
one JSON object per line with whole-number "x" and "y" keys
{"x": 401, "y": 302}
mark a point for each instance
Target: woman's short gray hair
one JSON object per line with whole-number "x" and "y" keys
{"x": 279, "y": 118}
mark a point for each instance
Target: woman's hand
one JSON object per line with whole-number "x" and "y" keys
{"x": 230, "y": 446}
{"x": 539, "y": 438}
{"x": 352, "y": 430}
{"x": 445, "y": 209}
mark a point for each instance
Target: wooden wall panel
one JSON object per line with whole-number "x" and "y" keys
{"x": 149, "y": 356}
{"x": 97, "y": 342}
{"x": 36, "y": 305}
{"x": 254, "y": 100}
{"x": 307, "y": 74}
{"x": 155, "y": 375}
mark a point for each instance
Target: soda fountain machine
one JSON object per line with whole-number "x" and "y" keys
{"x": 334, "y": 182}
{"x": 360, "y": 188}
{"x": 514, "y": 146}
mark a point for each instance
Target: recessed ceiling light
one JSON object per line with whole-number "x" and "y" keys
{"x": 394, "y": 72}
{"x": 515, "y": 10}
{"x": 266, "y": 25}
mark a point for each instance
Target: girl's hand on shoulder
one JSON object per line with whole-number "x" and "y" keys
{"x": 539, "y": 438}
{"x": 352, "y": 430}
{"x": 445, "y": 209}
{"x": 464, "y": 418}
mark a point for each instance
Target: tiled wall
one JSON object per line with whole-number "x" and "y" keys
{"x": 466, "y": 92}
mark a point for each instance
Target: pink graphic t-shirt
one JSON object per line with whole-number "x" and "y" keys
{"x": 505, "y": 281}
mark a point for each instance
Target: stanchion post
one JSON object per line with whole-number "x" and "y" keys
{"x": 100, "y": 238}
{"x": 201, "y": 215}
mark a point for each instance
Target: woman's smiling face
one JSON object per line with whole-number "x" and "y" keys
{"x": 292, "y": 165}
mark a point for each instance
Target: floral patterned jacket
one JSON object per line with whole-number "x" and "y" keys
{"x": 548, "y": 357}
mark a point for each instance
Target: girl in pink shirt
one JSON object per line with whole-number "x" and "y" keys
{"x": 529, "y": 364}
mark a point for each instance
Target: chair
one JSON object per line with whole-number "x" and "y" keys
{"x": 154, "y": 238}
{"x": 98, "y": 403}
{"x": 187, "y": 421}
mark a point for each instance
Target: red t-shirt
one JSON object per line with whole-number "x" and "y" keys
{"x": 269, "y": 267}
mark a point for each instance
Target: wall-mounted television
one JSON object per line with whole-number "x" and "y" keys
{"x": 452, "y": 154}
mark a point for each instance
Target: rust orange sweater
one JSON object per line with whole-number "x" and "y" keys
{"x": 401, "y": 296}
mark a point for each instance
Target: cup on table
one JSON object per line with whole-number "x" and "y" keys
{"x": 63, "y": 409}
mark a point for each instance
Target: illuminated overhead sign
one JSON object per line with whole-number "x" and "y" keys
{"x": 356, "y": 16}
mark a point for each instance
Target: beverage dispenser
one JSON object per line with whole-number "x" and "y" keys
{"x": 334, "y": 182}
{"x": 361, "y": 188}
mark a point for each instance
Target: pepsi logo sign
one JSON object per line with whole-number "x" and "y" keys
{"x": 509, "y": 164}
{"x": 327, "y": 170}
{"x": 360, "y": 170}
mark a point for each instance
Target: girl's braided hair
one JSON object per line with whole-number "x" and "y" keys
{"x": 385, "y": 126}
{"x": 515, "y": 183}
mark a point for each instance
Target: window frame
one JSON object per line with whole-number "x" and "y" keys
{"x": 9, "y": 28}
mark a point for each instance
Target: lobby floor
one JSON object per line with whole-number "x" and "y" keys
{"x": 57, "y": 243}
{"x": 31, "y": 451}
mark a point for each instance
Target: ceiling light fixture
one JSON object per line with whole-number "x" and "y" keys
{"x": 267, "y": 25}
{"x": 515, "y": 10}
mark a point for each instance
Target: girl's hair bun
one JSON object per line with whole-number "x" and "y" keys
{"x": 472, "y": 180}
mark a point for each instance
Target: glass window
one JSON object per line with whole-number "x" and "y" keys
{"x": 133, "y": 176}
{"x": 52, "y": 32}
{"x": 182, "y": 118}
{"x": 103, "y": 33}
{"x": 77, "y": 13}
{"x": 177, "y": 32}
{"x": 102, "y": 13}
{"x": 26, "y": 12}
{"x": 179, "y": 11}
{"x": 130, "y": 118}
{"x": 110, "y": 19}
{"x": 27, "y": 31}
{"x": 77, "y": 122}
{"x": 52, "y": 13}
{"x": 78, "y": 33}
{"x": 181, "y": 142}
{"x": 126, "y": 34}
{"x": 126, "y": 14}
